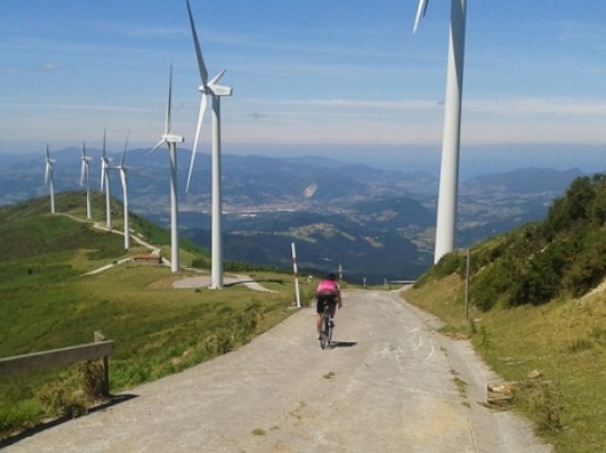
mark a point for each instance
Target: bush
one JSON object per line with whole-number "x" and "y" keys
{"x": 589, "y": 267}
{"x": 448, "y": 264}
{"x": 233, "y": 329}
{"x": 489, "y": 286}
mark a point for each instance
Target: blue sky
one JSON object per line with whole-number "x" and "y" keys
{"x": 345, "y": 77}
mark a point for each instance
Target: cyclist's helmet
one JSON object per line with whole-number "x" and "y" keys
{"x": 331, "y": 277}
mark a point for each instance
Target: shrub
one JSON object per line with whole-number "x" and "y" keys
{"x": 489, "y": 286}
{"x": 589, "y": 266}
{"x": 543, "y": 400}
{"x": 448, "y": 264}
{"x": 540, "y": 280}
{"x": 92, "y": 377}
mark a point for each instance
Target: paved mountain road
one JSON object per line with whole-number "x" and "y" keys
{"x": 387, "y": 386}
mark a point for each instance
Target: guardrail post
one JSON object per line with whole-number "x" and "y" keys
{"x": 105, "y": 366}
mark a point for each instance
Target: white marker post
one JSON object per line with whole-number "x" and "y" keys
{"x": 295, "y": 272}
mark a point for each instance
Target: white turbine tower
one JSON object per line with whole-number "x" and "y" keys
{"x": 105, "y": 185}
{"x": 449, "y": 167}
{"x": 84, "y": 176}
{"x": 171, "y": 141}
{"x": 215, "y": 91}
{"x": 123, "y": 170}
{"x": 49, "y": 179}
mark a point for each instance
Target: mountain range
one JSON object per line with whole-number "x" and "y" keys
{"x": 376, "y": 224}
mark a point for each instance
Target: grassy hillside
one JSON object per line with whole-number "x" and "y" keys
{"x": 48, "y": 302}
{"x": 538, "y": 302}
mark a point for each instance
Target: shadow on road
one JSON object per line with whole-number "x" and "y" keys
{"x": 59, "y": 421}
{"x": 343, "y": 344}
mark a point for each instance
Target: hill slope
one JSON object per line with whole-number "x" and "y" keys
{"x": 538, "y": 302}
{"x": 49, "y": 302}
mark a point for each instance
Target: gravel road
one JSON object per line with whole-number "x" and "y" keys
{"x": 387, "y": 385}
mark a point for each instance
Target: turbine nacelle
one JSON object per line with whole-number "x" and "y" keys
{"x": 216, "y": 89}
{"x": 220, "y": 90}
{"x": 213, "y": 88}
{"x": 171, "y": 138}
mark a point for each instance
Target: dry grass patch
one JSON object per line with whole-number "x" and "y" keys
{"x": 565, "y": 340}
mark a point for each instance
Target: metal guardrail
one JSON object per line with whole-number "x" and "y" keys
{"x": 38, "y": 361}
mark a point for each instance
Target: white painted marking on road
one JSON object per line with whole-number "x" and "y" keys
{"x": 430, "y": 354}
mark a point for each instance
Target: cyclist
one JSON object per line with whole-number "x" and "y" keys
{"x": 328, "y": 292}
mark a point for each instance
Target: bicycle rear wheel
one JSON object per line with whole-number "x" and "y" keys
{"x": 325, "y": 333}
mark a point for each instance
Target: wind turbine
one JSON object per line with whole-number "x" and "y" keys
{"x": 84, "y": 175}
{"x": 123, "y": 170}
{"x": 49, "y": 179}
{"x": 171, "y": 141}
{"x": 105, "y": 185}
{"x": 449, "y": 167}
{"x": 215, "y": 91}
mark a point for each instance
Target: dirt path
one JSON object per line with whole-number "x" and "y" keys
{"x": 388, "y": 385}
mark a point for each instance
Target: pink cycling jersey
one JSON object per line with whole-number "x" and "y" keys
{"x": 327, "y": 286}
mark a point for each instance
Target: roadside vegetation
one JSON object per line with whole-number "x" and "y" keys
{"x": 537, "y": 302}
{"x": 48, "y": 302}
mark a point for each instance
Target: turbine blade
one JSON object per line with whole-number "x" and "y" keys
{"x": 160, "y": 143}
{"x": 104, "y": 135}
{"x": 82, "y": 170}
{"x": 421, "y": 10}
{"x": 48, "y": 165}
{"x": 168, "y": 105}
{"x": 201, "y": 65}
{"x": 216, "y": 78}
{"x": 84, "y": 164}
{"x": 125, "y": 147}
{"x": 123, "y": 178}
{"x": 103, "y": 170}
{"x": 203, "y": 104}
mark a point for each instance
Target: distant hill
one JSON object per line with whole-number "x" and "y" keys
{"x": 385, "y": 218}
{"x": 524, "y": 181}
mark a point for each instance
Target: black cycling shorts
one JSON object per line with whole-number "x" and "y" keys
{"x": 325, "y": 299}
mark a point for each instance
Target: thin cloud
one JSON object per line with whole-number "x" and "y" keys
{"x": 50, "y": 67}
{"x": 9, "y": 70}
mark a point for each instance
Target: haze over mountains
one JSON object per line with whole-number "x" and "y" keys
{"x": 376, "y": 224}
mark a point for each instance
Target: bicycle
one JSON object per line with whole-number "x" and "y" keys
{"x": 327, "y": 327}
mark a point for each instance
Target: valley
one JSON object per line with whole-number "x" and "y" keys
{"x": 377, "y": 224}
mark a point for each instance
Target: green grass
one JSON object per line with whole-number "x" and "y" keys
{"x": 47, "y": 303}
{"x": 565, "y": 340}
